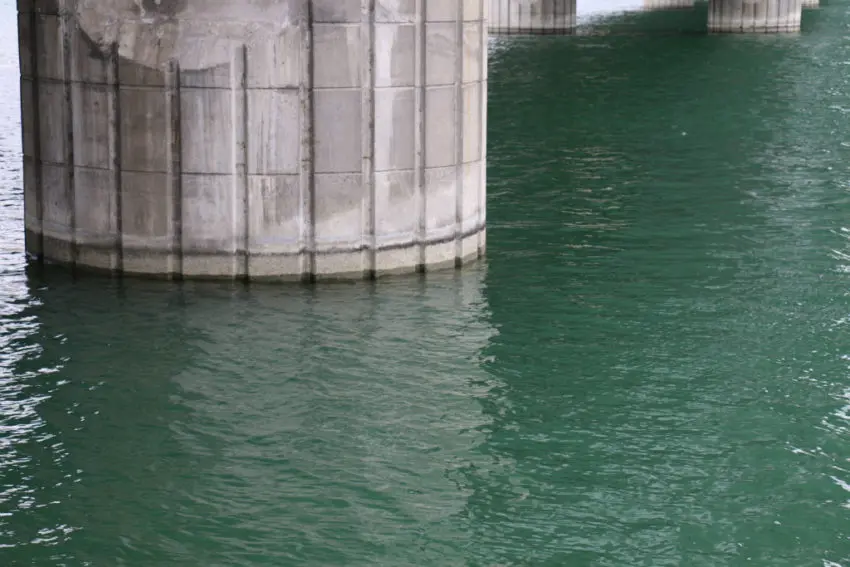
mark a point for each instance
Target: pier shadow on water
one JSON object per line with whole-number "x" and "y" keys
{"x": 207, "y": 424}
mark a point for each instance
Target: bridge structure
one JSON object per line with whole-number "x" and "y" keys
{"x": 559, "y": 16}
{"x": 273, "y": 139}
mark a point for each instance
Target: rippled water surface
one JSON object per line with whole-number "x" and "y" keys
{"x": 652, "y": 368}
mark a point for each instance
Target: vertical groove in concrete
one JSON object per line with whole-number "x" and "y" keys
{"x": 35, "y": 134}
{"x": 498, "y": 14}
{"x": 175, "y": 167}
{"x": 711, "y": 15}
{"x": 459, "y": 138}
{"x": 306, "y": 177}
{"x": 556, "y": 19}
{"x": 748, "y": 11}
{"x": 241, "y": 212}
{"x": 367, "y": 135}
{"x": 419, "y": 97}
{"x": 482, "y": 189}
{"x": 114, "y": 109}
{"x": 760, "y": 13}
{"x": 522, "y": 18}
{"x": 763, "y": 16}
{"x": 771, "y": 18}
{"x": 66, "y": 25}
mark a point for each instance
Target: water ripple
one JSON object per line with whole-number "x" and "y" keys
{"x": 650, "y": 369}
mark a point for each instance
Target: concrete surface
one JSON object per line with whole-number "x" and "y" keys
{"x": 667, "y": 4}
{"x": 254, "y": 138}
{"x": 532, "y": 16}
{"x": 746, "y": 16}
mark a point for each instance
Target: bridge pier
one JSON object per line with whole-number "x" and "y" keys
{"x": 668, "y": 4}
{"x": 532, "y": 17}
{"x": 254, "y": 139}
{"x": 765, "y": 16}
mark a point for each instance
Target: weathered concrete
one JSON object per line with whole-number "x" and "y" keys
{"x": 745, "y": 16}
{"x": 532, "y": 16}
{"x": 668, "y": 4}
{"x": 254, "y": 138}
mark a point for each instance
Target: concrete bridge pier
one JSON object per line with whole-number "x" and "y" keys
{"x": 532, "y": 16}
{"x": 254, "y": 138}
{"x": 747, "y": 16}
{"x": 668, "y": 4}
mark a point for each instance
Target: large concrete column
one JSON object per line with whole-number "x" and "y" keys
{"x": 254, "y": 138}
{"x": 532, "y": 16}
{"x": 745, "y": 16}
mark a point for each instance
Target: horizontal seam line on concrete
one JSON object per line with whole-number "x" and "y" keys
{"x": 449, "y": 238}
{"x": 250, "y": 174}
{"x": 344, "y": 23}
{"x": 189, "y": 87}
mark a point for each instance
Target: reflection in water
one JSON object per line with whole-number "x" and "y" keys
{"x": 99, "y": 378}
{"x": 193, "y": 424}
{"x": 679, "y": 304}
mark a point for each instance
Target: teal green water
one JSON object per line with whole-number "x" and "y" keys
{"x": 652, "y": 367}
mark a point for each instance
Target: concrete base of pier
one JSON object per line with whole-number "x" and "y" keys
{"x": 508, "y": 17}
{"x": 254, "y": 139}
{"x": 761, "y": 16}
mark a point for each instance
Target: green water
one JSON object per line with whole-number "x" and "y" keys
{"x": 652, "y": 368}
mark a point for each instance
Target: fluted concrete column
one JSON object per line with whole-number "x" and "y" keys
{"x": 745, "y": 16}
{"x": 532, "y": 16}
{"x": 649, "y": 5}
{"x": 254, "y": 138}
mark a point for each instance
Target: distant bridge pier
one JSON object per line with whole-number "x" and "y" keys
{"x": 724, "y": 16}
{"x": 668, "y": 4}
{"x": 532, "y": 17}
{"x": 761, "y": 16}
